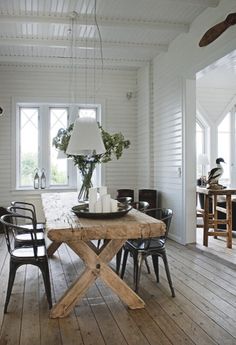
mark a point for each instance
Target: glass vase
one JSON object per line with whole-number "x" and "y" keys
{"x": 86, "y": 175}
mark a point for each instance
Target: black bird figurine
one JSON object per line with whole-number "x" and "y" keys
{"x": 215, "y": 174}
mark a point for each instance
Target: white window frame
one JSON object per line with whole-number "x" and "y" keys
{"x": 73, "y": 110}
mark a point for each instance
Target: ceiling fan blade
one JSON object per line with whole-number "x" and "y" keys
{"x": 213, "y": 33}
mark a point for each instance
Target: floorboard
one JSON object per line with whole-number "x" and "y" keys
{"x": 202, "y": 313}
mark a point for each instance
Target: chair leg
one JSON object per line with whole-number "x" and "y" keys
{"x": 118, "y": 260}
{"x": 155, "y": 261}
{"x": 43, "y": 266}
{"x": 125, "y": 256}
{"x": 147, "y": 265}
{"x": 164, "y": 257}
{"x": 12, "y": 274}
{"x": 138, "y": 260}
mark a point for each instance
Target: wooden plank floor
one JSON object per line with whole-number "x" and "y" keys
{"x": 203, "y": 311}
{"x": 216, "y": 248}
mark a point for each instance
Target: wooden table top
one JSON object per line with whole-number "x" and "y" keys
{"x": 63, "y": 225}
{"x": 225, "y": 191}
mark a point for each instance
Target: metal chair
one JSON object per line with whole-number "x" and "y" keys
{"x": 142, "y": 248}
{"x": 141, "y": 206}
{"x": 34, "y": 255}
{"x": 124, "y": 199}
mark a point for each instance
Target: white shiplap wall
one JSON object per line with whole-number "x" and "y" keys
{"x": 167, "y": 140}
{"x": 143, "y": 132}
{"x": 37, "y": 84}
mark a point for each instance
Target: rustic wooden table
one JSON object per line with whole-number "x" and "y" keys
{"x": 210, "y": 220}
{"x": 63, "y": 226}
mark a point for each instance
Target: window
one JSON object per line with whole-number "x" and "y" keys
{"x": 28, "y": 155}
{"x": 36, "y": 127}
{"x": 199, "y": 146}
{"x": 224, "y": 143}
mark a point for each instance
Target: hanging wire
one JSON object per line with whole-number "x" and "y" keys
{"x": 98, "y": 29}
{"x": 100, "y": 40}
{"x": 86, "y": 54}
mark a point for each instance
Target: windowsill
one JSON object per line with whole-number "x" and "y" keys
{"x": 40, "y": 191}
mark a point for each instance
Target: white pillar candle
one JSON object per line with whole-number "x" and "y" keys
{"x": 92, "y": 199}
{"x": 98, "y": 206}
{"x": 114, "y": 205}
{"x": 102, "y": 190}
{"x": 106, "y": 203}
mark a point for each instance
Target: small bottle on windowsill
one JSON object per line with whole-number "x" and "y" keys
{"x": 43, "y": 180}
{"x": 36, "y": 179}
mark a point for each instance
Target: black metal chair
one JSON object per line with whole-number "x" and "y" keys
{"x": 33, "y": 255}
{"x": 124, "y": 199}
{"x": 141, "y": 249}
{"x": 23, "y": 238}
{"x": 141, "y": 206}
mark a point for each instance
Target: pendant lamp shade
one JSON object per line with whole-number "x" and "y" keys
{"x": 85, "y": 138}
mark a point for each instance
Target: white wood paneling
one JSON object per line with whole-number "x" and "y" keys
{"x": 39, "y": 85}
{"x": 143, "y": 122}
{"x": 167, "y": 141}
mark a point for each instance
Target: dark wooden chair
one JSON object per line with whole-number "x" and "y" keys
{"x": 149, "y": 195}
{"x": 125, "y": 193}
{"x": 142, "y": 248}
{"x": 33, "y": 255}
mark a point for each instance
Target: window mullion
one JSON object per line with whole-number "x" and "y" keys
{"x": 44, "y": 142}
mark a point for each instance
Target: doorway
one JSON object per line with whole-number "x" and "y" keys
{"x": 216, "y": 123}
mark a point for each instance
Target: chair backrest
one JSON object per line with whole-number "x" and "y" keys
{"x": 164, "y": 214}
{"x": 23, "y": 211}
{"x": 9, "y": 222}
{"x": 125, "y": 193}
{"x": 124, "y": 199}
{"x": 27, "y": 206}
{"x": 149, "y": 195}
{"x": 140, "y": 205}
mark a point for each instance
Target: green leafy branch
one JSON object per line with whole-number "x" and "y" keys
{"x": 114, "y": 145}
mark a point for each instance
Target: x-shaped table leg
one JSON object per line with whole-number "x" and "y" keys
{"x": 96, "y": 265}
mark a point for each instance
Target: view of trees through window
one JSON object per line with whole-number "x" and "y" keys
{"x": 29, "y": 123}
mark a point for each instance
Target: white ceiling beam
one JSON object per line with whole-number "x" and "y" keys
{"x": 102, "y": 21}
{"x": 90, "y": 44}
{"x": 207, "y": 3}
{"x": 65, "y": 62}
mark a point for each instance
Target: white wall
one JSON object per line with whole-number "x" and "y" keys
{"x": 38, "y": 84}
{"x": 143, "y": 122}
{"x": 174, "y": 117}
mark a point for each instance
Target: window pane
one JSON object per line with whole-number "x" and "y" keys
{"x": 28, "y": 145}
{"x": 87, "y": 112}
{"x": 59, "y": 167}
{"x": 224, "y": 146}
{"x": 199, "y": 147}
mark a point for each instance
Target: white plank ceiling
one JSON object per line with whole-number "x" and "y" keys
{"x": 132, "y": 31}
